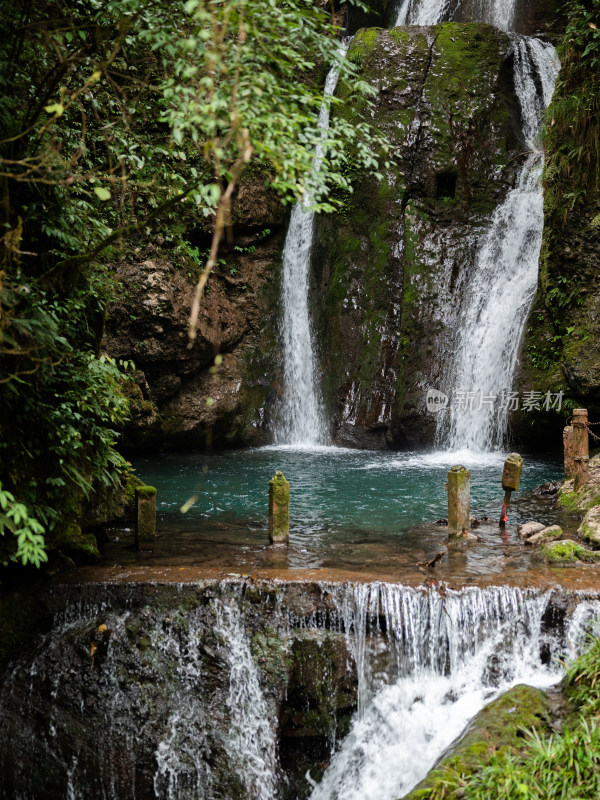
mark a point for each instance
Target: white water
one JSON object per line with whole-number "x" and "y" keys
{"x": 251, "y": 744}
{"x": 302, "y": 413}
{"x": 499, "y": 295}
{"x": 429, "y": 12}
{"x": 452, "y": 653}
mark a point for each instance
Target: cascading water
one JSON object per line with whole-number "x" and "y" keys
{"x": 251, "y": 743}
{"x": 499, "y": 295}
{"x": 451, "y": 654}
{"x": 429, "y": 12}
{"x": 181, "y": 698}
{"x": 302, "y": 414}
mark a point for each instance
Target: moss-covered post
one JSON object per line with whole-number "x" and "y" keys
{"x": 459, "y": 501}
{"x": 568, "y": 450}
{"x": 581, "y": 447}
{"x": 511, "y": 476}
{"x": 279, "y": 509}
{"x": 145, "y": 517}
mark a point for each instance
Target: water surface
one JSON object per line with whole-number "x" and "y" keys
{"x": 350, "y": 509}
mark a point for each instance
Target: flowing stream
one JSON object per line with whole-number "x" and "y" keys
{"x": 499, "y": 295}
{"x": 302, "y": 414}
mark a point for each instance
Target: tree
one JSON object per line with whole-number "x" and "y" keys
{"x": 113, "y": 113}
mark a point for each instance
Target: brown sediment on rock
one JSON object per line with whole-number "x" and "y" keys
{"x": 583, "y": 578}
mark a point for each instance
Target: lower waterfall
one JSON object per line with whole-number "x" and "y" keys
{"x": 181, "y": 697}
{"x": 451, "y": 654}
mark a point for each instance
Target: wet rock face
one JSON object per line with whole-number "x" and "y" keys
{"x": 390, "y": 267}
{"x": 177, "y": 401}
{"x": 147, "y": 691}
{"x": 560, "y": 349}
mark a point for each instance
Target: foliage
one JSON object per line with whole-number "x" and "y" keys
{"x": 583, "y": 680}
{"x": 113, "y": 114}
{"x": 15, "y": 518}
{"x": 565, "y": 766}
{"x": 572, "y": 130}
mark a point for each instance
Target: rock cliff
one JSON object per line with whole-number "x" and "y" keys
{"x": 390, "y": 265}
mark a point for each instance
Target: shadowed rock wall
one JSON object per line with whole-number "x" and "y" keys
{"x": 389, "y": 267}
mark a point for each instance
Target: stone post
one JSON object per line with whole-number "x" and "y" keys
{"x": 581, "y": 447}
{"x": 459, "y": 501}
{"x": 511, "y": 476}
{"x": 145, "y": 517}
{"x": 279, "y": 509}
{"x": 568, "y": 449}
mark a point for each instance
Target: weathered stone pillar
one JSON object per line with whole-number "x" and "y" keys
{"x": 568, "y": 450}
{"x": 511, "y": 475}
{"x": 145, "y": 517}
{"x": 459, "y": 500}
{"x": 279, "y": 509}
{"x": 581, "y": 447}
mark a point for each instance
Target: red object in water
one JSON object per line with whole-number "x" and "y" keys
{"x": 503, "y": 518}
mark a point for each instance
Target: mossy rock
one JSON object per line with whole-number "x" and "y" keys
{"x": 110, "y": 503}
{"x": 500, "y": 726}
{"x": 145, "y": 491}
{"x": 69, "y": 538}
{"x": 568, "y": 552}
{"x": 590, "y": 527}
{"x": 579, "y": 502}
{"x": 549, "y": 534}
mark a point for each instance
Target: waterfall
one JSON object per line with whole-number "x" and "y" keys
{"x": 251, "y": 744}
{"x": 451, "y": 653}
{"x": 187, "y": 687}
{"x": 249, "y": 741}
{"x": 302, "y": 414}
{"x": 498, "y": 296}
{"x": 429, "y": 12}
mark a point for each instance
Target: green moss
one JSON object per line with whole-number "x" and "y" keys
{"x": 145, "y": 491}
{"x": 269, "y": 651}
{"x": 568, "y": 552}
{"x": 579, "y": 502}
{"x": 131, "y": 484}
{"x": 498, "y": 728}
{"x": 363, "y": 45}
{"x": 401, "y": 35}
{"x": 69, "y": 536}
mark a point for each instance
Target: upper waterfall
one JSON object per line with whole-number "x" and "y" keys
{"x": 500, "y": 292}
{"x": 429, "y": 12}
{"x": 302, "y": 413}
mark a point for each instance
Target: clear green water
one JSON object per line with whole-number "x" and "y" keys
{"x": 349, "y": 508}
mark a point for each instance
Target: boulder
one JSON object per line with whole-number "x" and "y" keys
{"x": 590, "y": 527}
{"x": 548, "y": 534}
{"x": 529, "y": 528}
{"x": 568, "y": 552}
